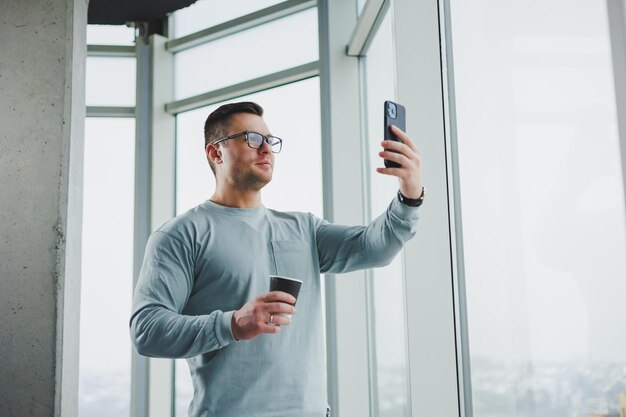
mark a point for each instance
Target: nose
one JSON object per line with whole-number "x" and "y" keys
{"x": 265, "y": 147}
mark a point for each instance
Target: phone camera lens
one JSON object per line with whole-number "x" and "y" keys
{"x": 391, "y": 110}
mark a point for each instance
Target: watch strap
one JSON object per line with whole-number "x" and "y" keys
{"x": 412, "y": 202}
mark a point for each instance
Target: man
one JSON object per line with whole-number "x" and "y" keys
{"x": 203, "y": 293}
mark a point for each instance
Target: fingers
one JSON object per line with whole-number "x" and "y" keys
{"x": 409, "y": 160}
{"x": 265, "y": 314}
{"x": 395, "y": 157}
{"x": 268, "y": 328}
{"x": 406, "y": 147}
{"x": 396, "y": 172}
{"x": 250, "y": 326}
{"x": 403, "y": 137}
{"x": 400, "y": 147}
{"x": 273, "y": 323}
{"x": 280, "y": 308}
{"x": 279, "y": 296}
{"x": 406, "y": 154}
{"x": 279, "y": 319}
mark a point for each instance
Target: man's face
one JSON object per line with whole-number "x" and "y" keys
{"x": 239, "y": 165}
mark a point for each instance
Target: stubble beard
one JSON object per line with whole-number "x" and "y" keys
{"x": 251, "y": 181}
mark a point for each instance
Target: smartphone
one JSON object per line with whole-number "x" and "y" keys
{"x": 395, "y": 114}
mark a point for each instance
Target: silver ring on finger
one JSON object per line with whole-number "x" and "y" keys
{"x": 271, "y": 320}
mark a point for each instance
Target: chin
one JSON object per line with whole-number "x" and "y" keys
{"x": 262, "y": 181}
{"x": 265, "y": 177}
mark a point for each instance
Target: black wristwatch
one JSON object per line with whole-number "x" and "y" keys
{"x": 412, "y": 202}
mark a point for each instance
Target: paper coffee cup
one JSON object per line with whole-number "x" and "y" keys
{"x": 285, "y": 284}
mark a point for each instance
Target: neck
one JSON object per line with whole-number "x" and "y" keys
{"x": 237, "y": 198}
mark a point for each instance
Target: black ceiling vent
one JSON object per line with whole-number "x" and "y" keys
{"x": 152, "y": 13}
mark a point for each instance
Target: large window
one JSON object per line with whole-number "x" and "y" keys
{"x": 292, "y": 113}
{"x": 205, "y": 13}
{"x": 262, "y": 50}
{"x": 110, "y": 81}
{"x": 108, "y": 232}
{"x": 543, "y": 213}
{"x": 110, "y": 35}
{"x": 107, "y": 267}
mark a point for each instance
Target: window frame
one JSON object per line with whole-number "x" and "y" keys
{"x": 431, "y": 259}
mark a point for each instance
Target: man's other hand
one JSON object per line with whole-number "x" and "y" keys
{"x": 254, "y": 318}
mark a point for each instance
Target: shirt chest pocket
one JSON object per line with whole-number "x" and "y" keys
{"x": 294, "y": 259}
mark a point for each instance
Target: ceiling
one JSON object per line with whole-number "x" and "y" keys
{"x": 119, "y": 12}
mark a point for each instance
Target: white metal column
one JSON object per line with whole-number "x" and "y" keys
{"x": 152, "y": 388}
{"x": 162, "y": 197}
{"x": 141, "y": 364}
{"x": 346, "y": 309}
{"x": 428, "y": 258}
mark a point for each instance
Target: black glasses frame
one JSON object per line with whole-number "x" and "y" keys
{"x": 271, "y": 140}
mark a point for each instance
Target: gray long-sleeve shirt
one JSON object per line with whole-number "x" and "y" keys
{"x": 203, "y": 265}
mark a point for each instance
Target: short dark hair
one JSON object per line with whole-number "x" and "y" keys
{"x": 218, "y": 122}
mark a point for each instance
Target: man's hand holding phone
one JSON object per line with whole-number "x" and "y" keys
{"x": 406, "y": 154}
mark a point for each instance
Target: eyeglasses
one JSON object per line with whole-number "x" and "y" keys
{"x": 255, "y": 140}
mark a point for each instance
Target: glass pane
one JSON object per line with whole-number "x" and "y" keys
{"x": 206, "y": 13}
{"x": 297, "y": 180}
{"x": 298, "y": 126}
{"x": 263, "y": 50}
{"x": 110, "y": 81}
{"x": 195, "y": 182}
{"x": 110, "y": 35}
{"x": 183, "y": 388}
{"x": 388, "y": 286}
{"x": 543, "y": 208}
{"x": 107, "y": 267}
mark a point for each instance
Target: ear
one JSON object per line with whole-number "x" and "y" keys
{"x": 214, "y": 153}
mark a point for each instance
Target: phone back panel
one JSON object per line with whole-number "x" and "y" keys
{"x": 399, "y": 120}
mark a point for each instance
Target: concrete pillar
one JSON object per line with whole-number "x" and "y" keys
{"x": 42, "y": 111}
